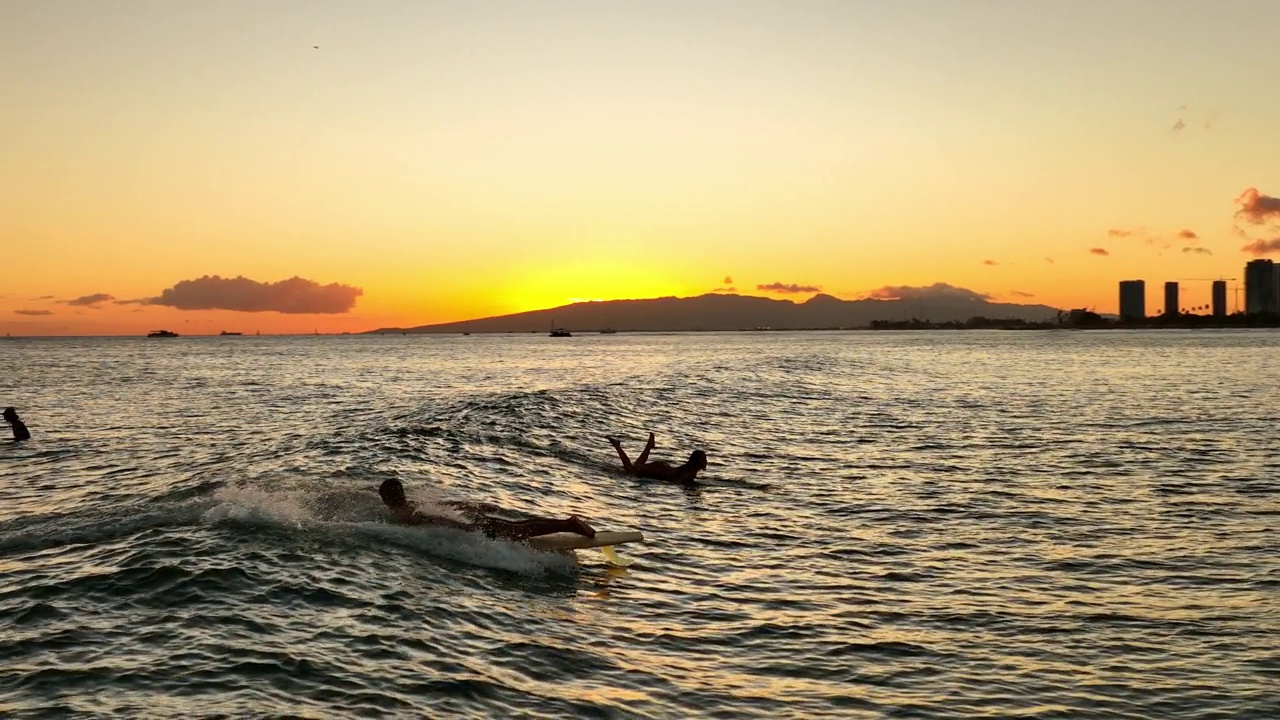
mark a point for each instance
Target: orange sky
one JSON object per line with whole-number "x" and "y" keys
{"x": 458, "y": 160}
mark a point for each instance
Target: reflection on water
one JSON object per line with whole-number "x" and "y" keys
{"x": 944, "y": 525}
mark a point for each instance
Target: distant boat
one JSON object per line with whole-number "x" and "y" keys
{"x": 560, "y": 332}
{"x": 224, "y": 332}
{"x": 162, "y": 333}
{"x": 608, "y": 332}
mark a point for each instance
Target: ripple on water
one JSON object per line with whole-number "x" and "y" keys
{"x": 895, "y": 525}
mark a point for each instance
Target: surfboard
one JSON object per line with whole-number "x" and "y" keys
{"x": 570, "y": 541}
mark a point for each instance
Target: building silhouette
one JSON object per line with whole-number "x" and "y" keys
{"x": 1171, "y": 298}
{"x": 1219, "y": 298}
{"x": 1133, "y": 299}
{"x": 1261, "y": 288}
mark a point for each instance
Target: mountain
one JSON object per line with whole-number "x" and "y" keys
{"x": 738, "y": 312}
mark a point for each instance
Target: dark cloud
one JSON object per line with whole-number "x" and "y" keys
{"x": 1188, "y": 235}
{"x": 1099, "y": 251}
{"x": 728, "y": 280}
{"x": 992, "y": 263}
{"x": 724, "y": 289}
{"x": 1021, "y": 294}
{"x": 1049, "y": 260}
{"x": 788, "y": 289}
{"x": 295, "y": 295}
{"x": 91, "y": 300}
{"x": 1115, "y": 233}
{"x": 1262, "y": 247}
{"x": 1197, "y": 250}
{"x": 45, "y": 297}
{"x": 940, "y": 291}
{"x": 1258, "y": 208}
{"x": 34, "y": 312}
{"x": 1178, "y": 125}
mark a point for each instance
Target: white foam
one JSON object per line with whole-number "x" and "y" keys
{"x": 294, "y": 509}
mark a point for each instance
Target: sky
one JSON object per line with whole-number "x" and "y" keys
{"x": 342, "y": 166}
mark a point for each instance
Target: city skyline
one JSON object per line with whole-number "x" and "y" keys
{"x": 341, "y": 166}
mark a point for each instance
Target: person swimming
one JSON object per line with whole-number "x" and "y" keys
{"x": 660, "y": 469}
{"x": 403, "y": 512}
{"x": 20, "y": 431}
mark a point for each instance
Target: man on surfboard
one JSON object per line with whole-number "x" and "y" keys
{"x": 660, "y": 469}
{"x": 404, "y": 513}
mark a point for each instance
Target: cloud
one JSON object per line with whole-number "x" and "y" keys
{"x": 91, "y": 300}
{"x": 1262, "y": 247}
{"x": 786, "y": 289}
{"x": 1021, "y": 294}
{"x": 295, "y": 296}
{"x": 1099, "y": 251}
{"x": 938, "y": 291}
{"x": 1188, "y": 235}
{"x": 723, "y": 289}
{"x": 992, "y": 263}
{"x": 728, "y": 280}
{"x": 1258, "y": 208}
{"x": 1210, "y": 119}
{"x": 45, "y": 297}
{"x": 1197, "y": 250}
{"x": 1140, "y": 234}
{"x": 34, "y": 312}
{"x": 1049, "y": 260}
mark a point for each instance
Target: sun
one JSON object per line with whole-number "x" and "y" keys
{"x": 553, "y": 286}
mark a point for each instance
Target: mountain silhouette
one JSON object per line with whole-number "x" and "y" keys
{"x": 723, "y": 311}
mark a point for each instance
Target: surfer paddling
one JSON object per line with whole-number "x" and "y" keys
{"x": 404, "y": 513}
{"x": 660, "y": 469}
{"x": 20, "y": 431}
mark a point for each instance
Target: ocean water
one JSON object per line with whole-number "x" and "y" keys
{"x": 894, "y": 525}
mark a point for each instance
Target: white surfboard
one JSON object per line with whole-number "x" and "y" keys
{"x": 570, "y": 541}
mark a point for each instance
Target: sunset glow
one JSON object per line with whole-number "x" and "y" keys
{"x": 452, "y": 161}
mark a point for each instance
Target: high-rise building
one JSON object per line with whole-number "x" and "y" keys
{"x": 1219, "y": 298}
{"x": 1133, "y": 299}
{"x": 1171, "y": 298}
{"x": 1261, "y": 290}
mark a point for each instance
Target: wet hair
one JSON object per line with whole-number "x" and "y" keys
{"x": 697, "y": 459}
{"x": 392, "y": 492}
{"x": 10, "y": 414}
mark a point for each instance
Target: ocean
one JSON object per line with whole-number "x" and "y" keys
{"x": 968, "y": 524}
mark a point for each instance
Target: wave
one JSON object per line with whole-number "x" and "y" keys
{"x": 356, "y": 516}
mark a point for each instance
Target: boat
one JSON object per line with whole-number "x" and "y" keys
{"x": 608, "y": 331}
{"x": 162, "y": 333}
{"x": 224, "y": 332}
{"x": 559, "y": 331}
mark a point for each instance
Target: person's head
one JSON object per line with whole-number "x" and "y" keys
{"x": 392, "y": 493}
{"x": 10, "y": 415}
{"x": 698, "y": 460}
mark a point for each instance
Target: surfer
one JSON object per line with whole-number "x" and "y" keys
{"x": 660, "y": 469}
{"x": 20, "y": 431}
{"x": 404, "y": 513}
